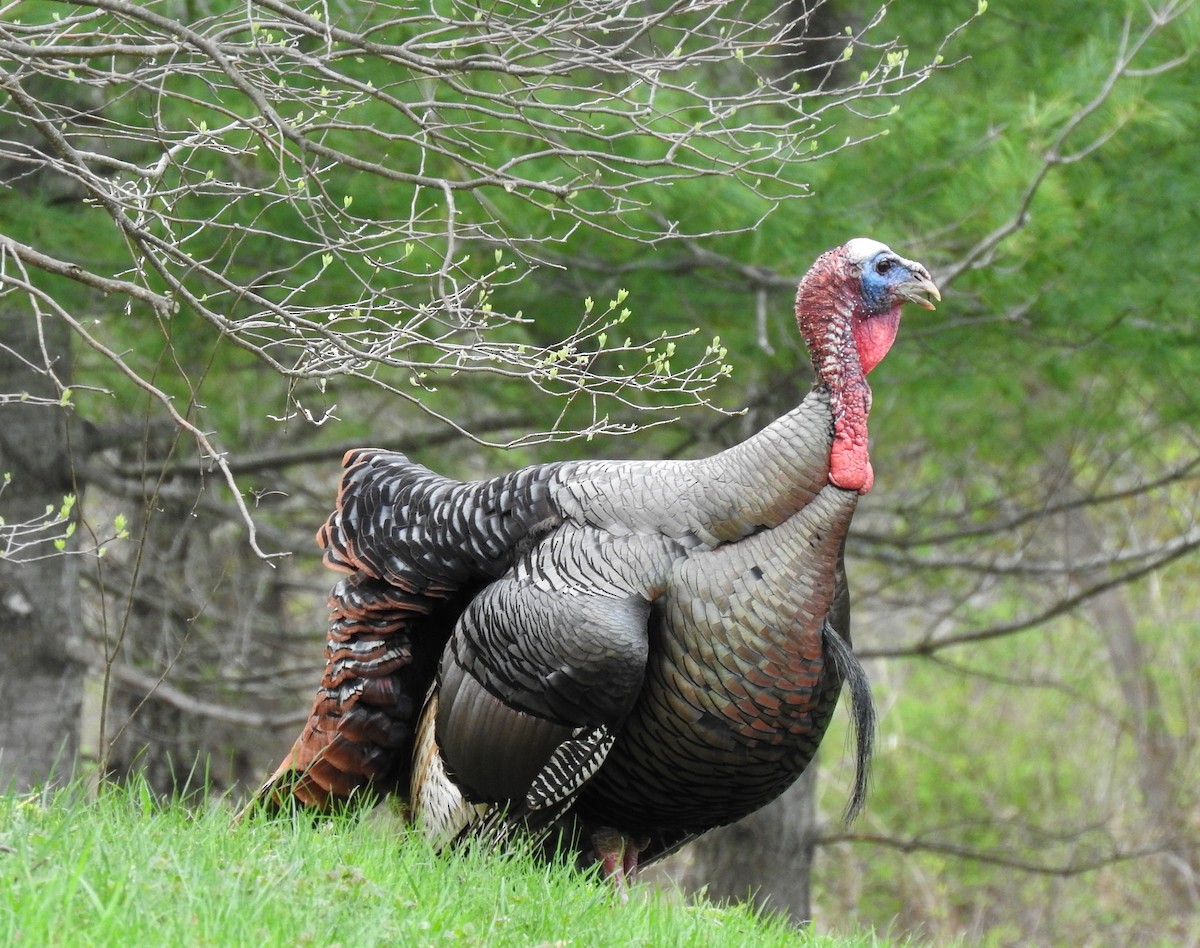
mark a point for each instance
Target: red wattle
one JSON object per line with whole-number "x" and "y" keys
{"x": 873, "y": 337}
{"x": 849, "y": 463}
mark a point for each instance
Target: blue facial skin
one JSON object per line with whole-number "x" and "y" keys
{"x": 881, "y": 273}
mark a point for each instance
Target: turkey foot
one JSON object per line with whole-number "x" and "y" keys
{"x": 618, "y": 855}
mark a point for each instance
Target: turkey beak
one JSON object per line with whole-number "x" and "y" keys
{"x": 920, "y": 283}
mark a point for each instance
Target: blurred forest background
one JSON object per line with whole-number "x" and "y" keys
{"x": 237, "y": 239}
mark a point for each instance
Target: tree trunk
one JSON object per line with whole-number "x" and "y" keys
{"x": 39, "y": 586}
{"x": 1113, "y": 618}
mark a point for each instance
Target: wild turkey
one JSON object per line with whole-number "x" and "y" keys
{"x": 625, "y": 653}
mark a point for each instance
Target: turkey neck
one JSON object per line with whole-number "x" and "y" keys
{"x": 845, "y": 344}
{"x": 765, "y": 479}
{"x": 769, "y": 477}
{"x": 751, "y": 486}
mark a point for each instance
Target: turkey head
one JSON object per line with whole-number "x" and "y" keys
{"x": 848, "y": 311}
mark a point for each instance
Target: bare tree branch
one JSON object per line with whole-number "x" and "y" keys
{"x": 1072, "y": 867}
{"x": 155, "y": 688}
{"x": 208, "y": 136}
{"x": 1055, "y": 154}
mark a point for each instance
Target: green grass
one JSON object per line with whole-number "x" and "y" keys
{"x": 126, "y": 869}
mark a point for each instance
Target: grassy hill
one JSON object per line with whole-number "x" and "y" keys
{"x": 127, "y": 869}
